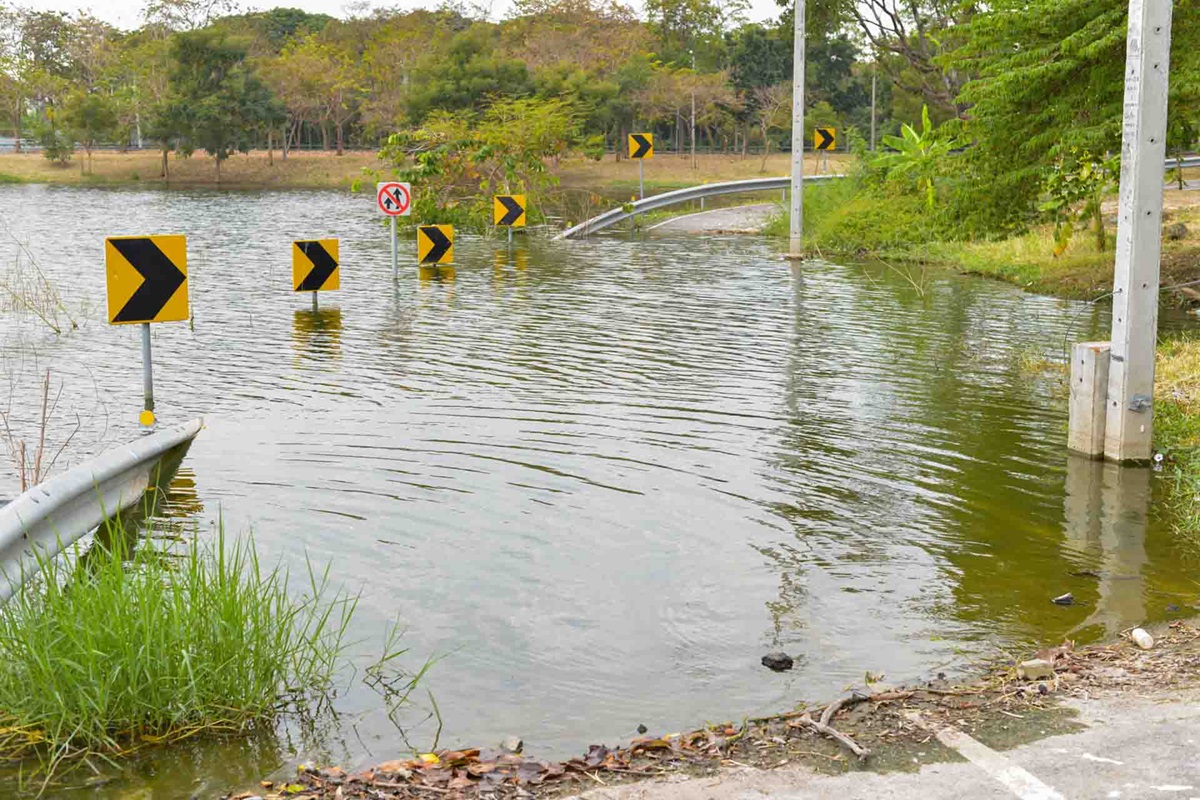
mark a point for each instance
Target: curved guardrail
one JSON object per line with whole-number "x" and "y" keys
{"x": 61, "y": 510}
{"x": 610, "y": 218}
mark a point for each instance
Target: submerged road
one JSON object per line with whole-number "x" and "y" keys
{"x": 1134, "y": 747}
{"x": 739, "y": 219}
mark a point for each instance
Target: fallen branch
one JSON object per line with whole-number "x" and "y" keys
{"x": 824, "y": 728}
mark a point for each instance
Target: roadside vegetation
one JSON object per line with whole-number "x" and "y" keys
{"x": 107, "y": 651}
{"x": 1177, "y": 431}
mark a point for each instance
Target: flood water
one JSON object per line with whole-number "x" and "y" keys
{"x": 600, "y": 479}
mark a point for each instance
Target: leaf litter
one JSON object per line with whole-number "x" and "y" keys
{"x": 872, "y": 727}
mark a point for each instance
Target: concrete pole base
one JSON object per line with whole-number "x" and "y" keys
{"x": 1089, "y": 397}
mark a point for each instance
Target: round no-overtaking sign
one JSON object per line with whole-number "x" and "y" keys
{"x": 394, "y": 198}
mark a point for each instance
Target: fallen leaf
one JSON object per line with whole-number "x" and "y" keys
{"x": 430, "y": 758}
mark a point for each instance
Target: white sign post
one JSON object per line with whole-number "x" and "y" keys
{"x": 394, "y": 199}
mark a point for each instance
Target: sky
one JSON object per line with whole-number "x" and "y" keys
{"x": 127, "y": 14}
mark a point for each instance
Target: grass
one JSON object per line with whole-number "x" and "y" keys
{"x": 323, "y": 170}
{"x": 1177, "y": 431}
{"x": 104, "y": 653}
{"x": 302, "y": 170}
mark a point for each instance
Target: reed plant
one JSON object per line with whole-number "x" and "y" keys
{"x": 106, "y": 652}
{"x": 1177, "y": 432}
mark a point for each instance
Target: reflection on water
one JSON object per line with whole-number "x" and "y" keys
{"x": 1107, "y": 509}
{"x": 602, "y": 478}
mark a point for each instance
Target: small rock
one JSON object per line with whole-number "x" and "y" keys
{"x": 780, "y": 662}
{"x": 1067, "y": 599}
{"x": 1035, "y": 670}
{"x": 642, "y": 729}
{"x": 1141, "y": 638}
{"x": 1176, "y": 232}
{"x": 1172, "y": 608}
{"x": 512, "y": 744}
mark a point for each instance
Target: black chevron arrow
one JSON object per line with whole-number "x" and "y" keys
{"x": 644, "y": 144}
{"x": 323, "y": 266}
{"x": 514, "y": 210}
{"x": 826, "y": 139}
{"x": 161, "y": 279}
{"x": 441, "y": 244}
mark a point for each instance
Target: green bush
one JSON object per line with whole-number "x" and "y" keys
{"x": 106, "y": 651}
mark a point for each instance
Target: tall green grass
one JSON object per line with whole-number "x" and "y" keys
{"x": 106, "y": 652}
{"x": 1177, "y": 432}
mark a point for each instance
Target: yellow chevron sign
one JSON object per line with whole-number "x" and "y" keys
{"x": 146, "y": 278}
{"x": 508, "y": 210}
{"x": 641, "y": 145}
{"x": 315, "y": 266}
{"x": 435, "y": 244}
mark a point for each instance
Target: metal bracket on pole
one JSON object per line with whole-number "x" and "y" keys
{"x": 1129, "y": 425}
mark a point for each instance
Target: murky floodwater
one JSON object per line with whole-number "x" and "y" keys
{"x": 602, "y": 479}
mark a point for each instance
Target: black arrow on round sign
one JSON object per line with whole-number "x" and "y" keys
{"x": 441, "y": 243}
{"x": 644, "y": 145}
{"x": 323, "y": 266}
{"x": 826, "y": 139}
{"x": 513, "y": 208}
{"x": 162, "y": 279}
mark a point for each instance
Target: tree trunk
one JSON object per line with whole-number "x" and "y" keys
{"x": 270, "y": 147}
{"x": 325, "y": 137}
{"x": 218, "y": 169}
{"x": 163, "y": 172}
{"x": 20, "y": 109}
{"x": 766, "y": 151}
{"x": 341, "y": 145}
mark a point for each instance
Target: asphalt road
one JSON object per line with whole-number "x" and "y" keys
{"x": 1134, "y": 748}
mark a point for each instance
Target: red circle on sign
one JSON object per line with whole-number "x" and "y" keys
{"x": 399, "y": 196}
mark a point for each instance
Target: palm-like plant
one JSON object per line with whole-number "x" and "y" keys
{"x": 916, "y": 157}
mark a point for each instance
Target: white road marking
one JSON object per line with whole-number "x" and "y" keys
{"x": 1102, "y": 759}
{"x": 1017, "y": 779}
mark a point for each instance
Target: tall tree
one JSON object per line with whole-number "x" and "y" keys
{"x": 1050, "y": 85}
{"x": 216, "y": 102}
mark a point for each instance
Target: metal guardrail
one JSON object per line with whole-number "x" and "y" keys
{"x": 60, "y": 511}
{"x": 610, "y": 218}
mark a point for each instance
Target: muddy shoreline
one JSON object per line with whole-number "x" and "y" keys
{"x": 893, "y": 726}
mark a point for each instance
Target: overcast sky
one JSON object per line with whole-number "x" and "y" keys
{"x": 126, "y": 14}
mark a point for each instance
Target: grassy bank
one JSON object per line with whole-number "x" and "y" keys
{"x": 302, "y": 170}
{"x": 1177, "y": 430}
{"x": 607, "y": 178}
{"x": 106, "y": 652}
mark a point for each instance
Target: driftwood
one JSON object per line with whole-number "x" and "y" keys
{"x": 822, "y": 726}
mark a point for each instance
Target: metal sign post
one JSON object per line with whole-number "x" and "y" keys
{"x": 146, "y": 281}
{"x": 147, "y": 417}
{"x": 394, "y": 199}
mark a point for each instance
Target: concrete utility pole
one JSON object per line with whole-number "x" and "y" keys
{"x": 874, "y": 79}
{"x": 693, "y": 52}
{"x": 797, "y": 210}
{"x": 1129, "y": 426}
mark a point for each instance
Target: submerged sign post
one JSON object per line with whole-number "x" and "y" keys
{"x": 315, "y": 267}
{"x": 508, "y": 211}
{"x": 394, "y": 199}
{"x": 146, "y": 278}
{"x": 641, "y": 147}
